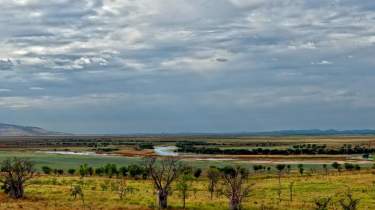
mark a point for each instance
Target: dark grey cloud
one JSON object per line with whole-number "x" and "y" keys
{"x": 179, "y": 65}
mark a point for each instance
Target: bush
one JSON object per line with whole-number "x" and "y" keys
{"x": 71, "y": 171}
{"x": 135, "y": 171}
{"x": 46, "y": 169}
{"x": 99, "y": 171}
{"x": 349, "y": 166}
{"x": 110, "y": 170}
{"x": 123, "y": 171}
{"x": 197, "y": 173}
{"x": 58, "y": 171}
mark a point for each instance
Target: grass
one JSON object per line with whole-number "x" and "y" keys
{"x": 50, "y": 192}
{"x": 68, "y": 161}
{"x": 74, "y": 161}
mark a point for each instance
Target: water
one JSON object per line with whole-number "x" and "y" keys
{"x": 69, "y": 153}
{"x": 166, "y": 151}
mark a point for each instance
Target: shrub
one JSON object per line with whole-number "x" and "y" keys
{"x": 46, "y": 169}
{"x": 322, "y": 203}
{"x": 197, "y": 173}
{"x": 71, "y": 171}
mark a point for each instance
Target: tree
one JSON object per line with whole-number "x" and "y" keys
{"x": 90, "y": 171}
{"x": 280, "y": 168}
{"x": 58, "y": 171}
{"x": 235, "y": 185}
{"x": 348, "y": 166}
{"x": 197, "y": 173}
{"x": 288, "y": 169}
{"x": 349, "y": 203}
{"x": 71, "y": 171}
{"x": 83, "y": 170}
{"x": 110, "y": 170}
{"x": 122, "y": 188}
{"x": 325, "y": 168}
{"x": 291, "y": 185}
{"x": 77, "y": 191}
{"x": 163, "y": 173}
{"x": 123, "y": 171}
{"x": 46, "y": 169}
{"x": 183, "y": 186}
{"x": 322, "y": 203}
{"x": 301, "y": 169}
{"x": 336, "y": 166}
{"x": 213, "y": 175}
{"x": 99, "y": 171}
{"x": 135, "y": 171}
{"x": 16, "y": 172}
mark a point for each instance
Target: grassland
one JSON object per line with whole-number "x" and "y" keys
{"x": 53, "y": 192}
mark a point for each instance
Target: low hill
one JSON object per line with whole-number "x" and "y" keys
{"x": 17, "y": 130}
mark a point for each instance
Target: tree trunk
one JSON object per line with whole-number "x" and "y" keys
{"x": 163, "y": 196}
{"x": 234, "y": 204}
{"x": 16, "y": 190}
{"x": 184, "y": 201}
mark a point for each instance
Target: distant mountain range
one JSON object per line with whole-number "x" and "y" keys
{"x": 312, "y": 132}
{"x": 309, "y": 132}
{"x": 17, "y": 130}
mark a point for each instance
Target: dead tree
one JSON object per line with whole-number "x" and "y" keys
{"x": 163, "y": 173}
{"x": 235, "y": 186}
{"x": 15, "y": 173}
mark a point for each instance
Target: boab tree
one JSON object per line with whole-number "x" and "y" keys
{"x": 235, "y": 185}
{"x": 163, "y": 172}
{"x": 15, "y": 172}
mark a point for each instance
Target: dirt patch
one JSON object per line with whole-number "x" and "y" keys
{"x": 136, "y": 153}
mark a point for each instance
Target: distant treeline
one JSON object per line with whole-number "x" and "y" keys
{"x": 307, "y": 149}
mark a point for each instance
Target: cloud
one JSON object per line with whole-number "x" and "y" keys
{"x": 6, "y": 64}
{"x": 162, "y": 62}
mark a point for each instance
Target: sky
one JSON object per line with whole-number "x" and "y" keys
{"x": 169, "y": 66}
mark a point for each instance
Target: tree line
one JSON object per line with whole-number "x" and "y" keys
{"x": 296, "y": 150}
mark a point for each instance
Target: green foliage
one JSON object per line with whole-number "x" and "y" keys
{"x": 213, "y": 175}
{"x": 135, "y": 171}
{"x": 280, "y": 167}
{"x": 46, "y": 169}
{"x": 123, "y": 171}
{"x": 336, "y": 165}
{"x": 197, "y": 173}
{"x": 301, "y": 169}
{"x": 99, "y": 171}
{"x": 15, "y": 173}
{"x": 183, "y": 186}
{"x": 58, "y": 171}
{"x": 143, "y": 146}
{"x": 71, "y": 171}
{"x": 83, "y": 170}
{"x": 110, "y": 170}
